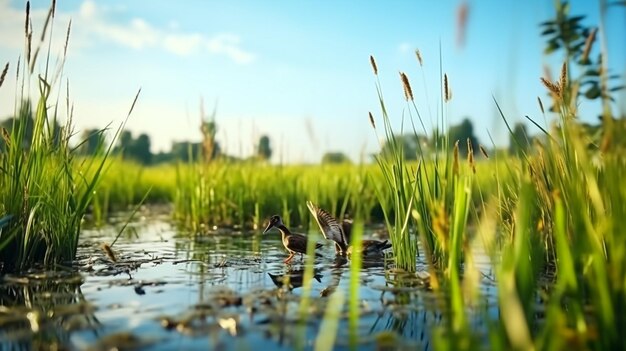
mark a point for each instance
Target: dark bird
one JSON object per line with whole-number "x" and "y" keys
{"x": 340, "y": 234}
{"x": 293, "y": 242}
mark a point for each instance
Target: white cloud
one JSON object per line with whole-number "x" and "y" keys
{"x": 93, "y": 22}
{"x": 228, "y": 44}
{"x": 182, "y": 44}
{"x": 87, "y": 9}
{"x": 12, "y": 24}
{"x": 139, "y": 34}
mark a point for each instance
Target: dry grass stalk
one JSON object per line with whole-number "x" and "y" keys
{"x": 418, "y": 54}
{"x": 46, "y": 23}
{"x": 109, "y": 251}
{"x": 470, "y": 155}
{"x": 28, "y": 33}
{"x": 408, "y": 92}
{"x": 70, "y": 112}
{"x": 4, "y": 73}
{"x": 541, "y": 105}
{"x": 563, "y": 77}
{"x": 49, "y": 17}
{"x": 17, "y": 71}
{"x": 553, "y": 88}
{"x": 441, "y": 226}
{"x": 6, "y": 137}
{"x": 67, "y": 38}
{"x": 455, "y": 162}
{"x": 483, "y": 151}
{"x": 588, "y": 43}
{"x": 373, "y": 63}
{"x": 446, "y": 88}
{"x": 27, "y": 17}
{"x": 372, "y": 120}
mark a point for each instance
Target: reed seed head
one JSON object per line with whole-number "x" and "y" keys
{"x": 408, "y": 92}
{"x": 372, "y": 120}
{"x": 470, "y": 155}
{"x": 553, "y": 88}
{"x": 28, "y": 33}
{"x": 588, "y": 43}
{"x": 418, "y": 54}
{"x": 67, "y": 38}
{"x": 446, "y": 88}
{"x": 6, "y": 137}
{"x": 563, "y": 77}
{"x": 483, "y": 151}
{"x": 29, "y": 39}
{"x": 27, "y": 17}
{"x": 46, "y": 24}
{"x": 373, "y": 63}
{"x": 541, "y": 105}
{"x": 4, "y": 73}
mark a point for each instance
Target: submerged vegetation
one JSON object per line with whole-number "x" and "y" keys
{"x": 554, "y": 206}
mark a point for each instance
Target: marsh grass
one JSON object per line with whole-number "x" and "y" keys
{"x": 429, "y": 201}
{"x": 244, "y": 194}
{"x": 556, "y": 207}
{"x": 45, "y": 191}
{"x": 562, "y": 214}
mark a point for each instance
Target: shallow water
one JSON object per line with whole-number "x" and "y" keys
{"x": 171, "y": 291}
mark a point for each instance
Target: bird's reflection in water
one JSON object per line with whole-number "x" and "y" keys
{"x": 336, "y": 271}
{"x": 293, "y": 278}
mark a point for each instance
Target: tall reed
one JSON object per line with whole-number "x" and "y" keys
{"x": 570, "y": 199}
{"x": 44, "y": 190}
{"x": 429, "y": 200}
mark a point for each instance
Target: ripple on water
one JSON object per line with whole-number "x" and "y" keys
{"x": 172, "y": 291}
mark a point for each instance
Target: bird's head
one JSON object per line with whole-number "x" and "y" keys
{"x": 275, "y": 221}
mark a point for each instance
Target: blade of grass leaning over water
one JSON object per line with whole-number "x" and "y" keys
{"x": 307, "y": 287}
{"x": 327, "y": 334}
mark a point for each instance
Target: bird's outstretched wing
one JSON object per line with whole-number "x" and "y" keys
{"x": 331, "y": 229}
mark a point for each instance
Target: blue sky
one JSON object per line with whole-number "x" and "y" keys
{"x": 294, "y": 70}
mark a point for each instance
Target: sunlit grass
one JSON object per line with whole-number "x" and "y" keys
{"x": 245, "y": 194}
{"x": 45, "y": 190}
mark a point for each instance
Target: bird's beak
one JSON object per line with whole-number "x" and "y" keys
{"x": 269, "y": 226}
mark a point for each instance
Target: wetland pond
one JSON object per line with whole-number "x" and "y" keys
{"x": 221, "y": 291}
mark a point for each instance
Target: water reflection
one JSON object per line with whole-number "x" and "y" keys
{"x": 293, "y": 278}
{"x": 229, "y": 290}
{"x": 42, "y": 310}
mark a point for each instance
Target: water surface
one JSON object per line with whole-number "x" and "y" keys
{"x": 219, "y": 291}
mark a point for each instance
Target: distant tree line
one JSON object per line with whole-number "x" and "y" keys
{"x": 413, "y": 145}
{"x": 94, "y": 142}
{"x": 138, "y": 149}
